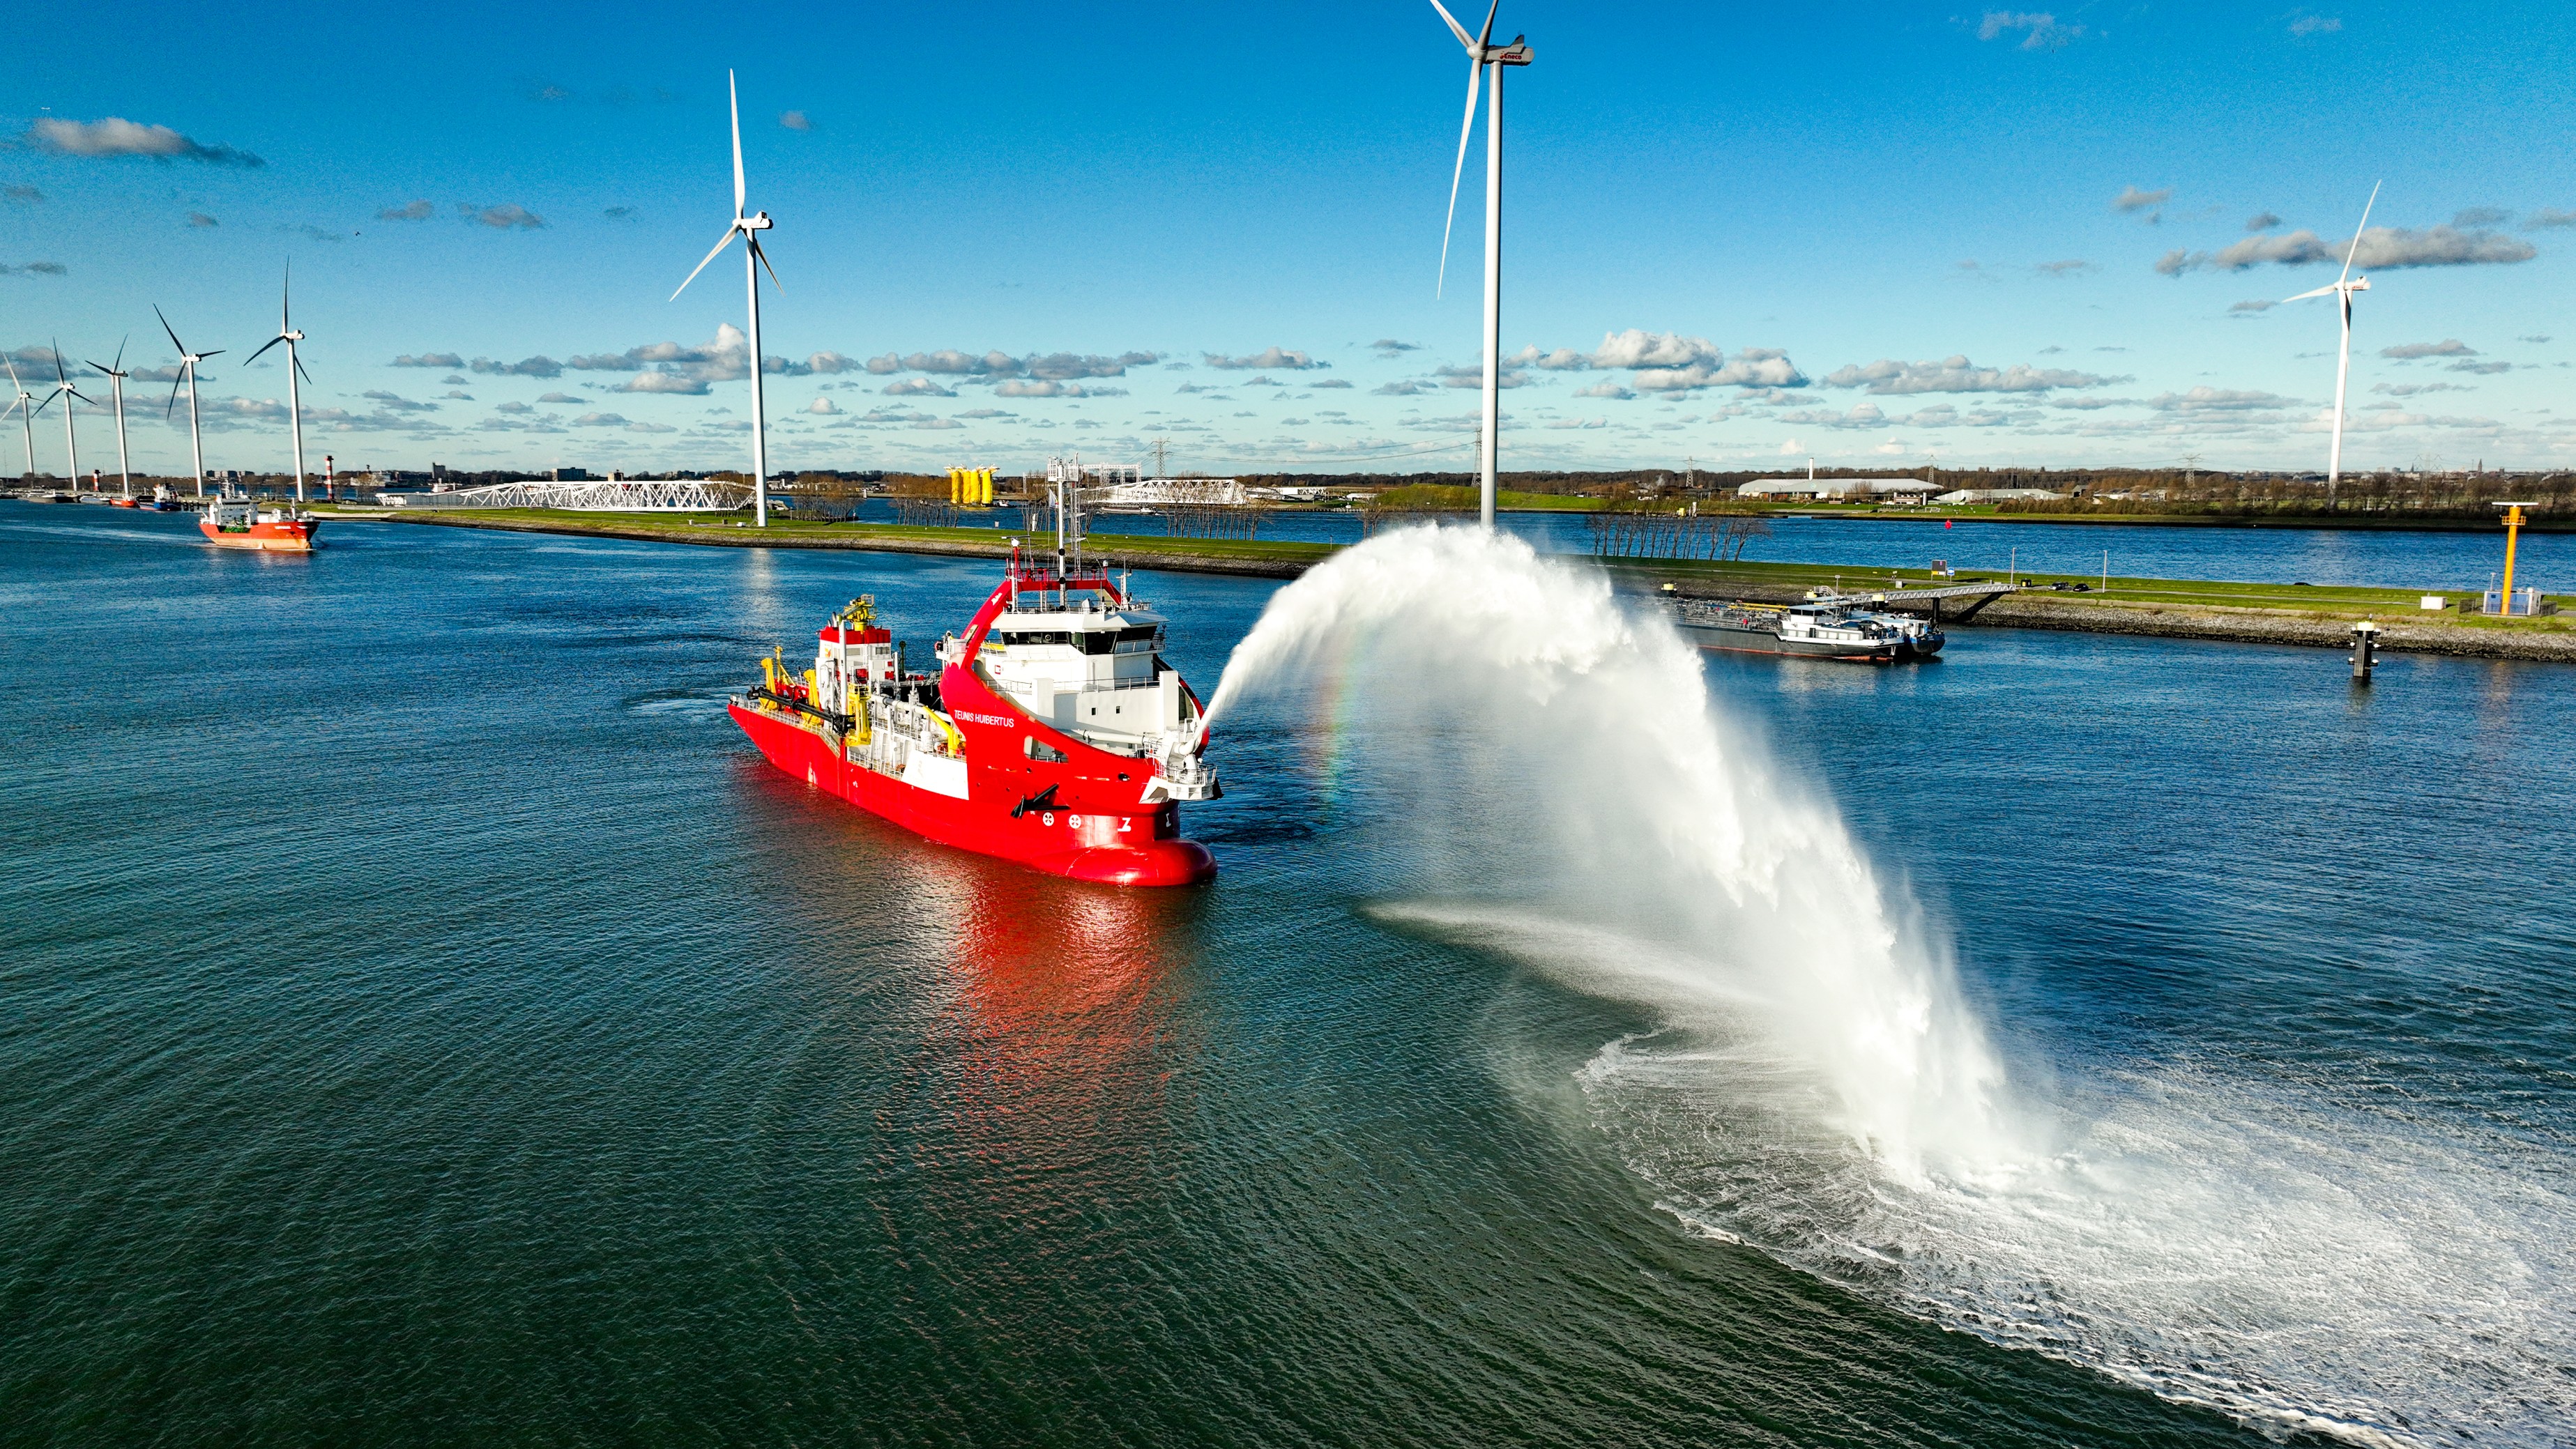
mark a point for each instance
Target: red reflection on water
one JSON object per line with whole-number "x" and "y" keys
{"x": 1067, "y": 1005}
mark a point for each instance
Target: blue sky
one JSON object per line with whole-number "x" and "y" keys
{"x": 1877, "y": 234}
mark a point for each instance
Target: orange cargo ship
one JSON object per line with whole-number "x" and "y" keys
{"x": 247, "y": 525}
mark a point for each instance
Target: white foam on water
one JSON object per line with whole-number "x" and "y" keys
{"x": 1566, "y": 794}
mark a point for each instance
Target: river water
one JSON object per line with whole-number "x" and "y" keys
{"x": 2448, "y": 561}
{"x": 422, "y": 1019}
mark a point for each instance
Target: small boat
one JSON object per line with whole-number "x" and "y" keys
{"x": 1816, "y": 630}
{"x": 228, "y": 523}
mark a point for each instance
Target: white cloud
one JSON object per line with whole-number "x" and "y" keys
{"x": 795, "y": 121}
{"x": 599, "y": 420}
{"x": 917, "y": 387}
{"x": 2380, "y": 248}
{"x": 822, "y": 407}
{"x": 2042, "y": 30}
{"x": 2447, "y": 347}
{"x": 2133, "y": 199}
{"x": 116, "y": 136}
{"x": 1270, "y": 359}
{"x": 538, "y": 366}
{"x": 2205, "y": 399}
{"x": 1956, "y": 374}
{"x": 507, "y": 217}
{"x": 2304, "y": 25}
{"x": 430, "y": 359}
{"x": 416, "y": 211}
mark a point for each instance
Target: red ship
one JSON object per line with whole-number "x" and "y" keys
{"x": 1054, "y": 734}
{"x": 247, "y": 525}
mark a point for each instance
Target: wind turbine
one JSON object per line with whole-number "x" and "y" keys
{"x": 71, "y": 440}
{"x": 287, "y": 334}
{"x": 26, "y": 416}
{"x": 1481, "y": 54}
{"x": 116, "y": 379}
{"x": 2344, "y": 286}
{"x": 188, "y": 373}
{"x": 750, "y": 228}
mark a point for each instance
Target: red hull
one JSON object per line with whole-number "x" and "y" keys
{"x": 1134, "y": 847}
{"x": 293, "y": 535}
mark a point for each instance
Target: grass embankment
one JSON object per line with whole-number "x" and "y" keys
{"x": 1270, "y": 557}
{"x": 1437, "y": 498}
{"x": 2187, "y": 608}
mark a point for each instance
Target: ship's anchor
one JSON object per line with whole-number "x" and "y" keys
{"x": 1042, "y": 800}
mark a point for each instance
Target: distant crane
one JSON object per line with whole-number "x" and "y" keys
{"x": 188, "y": 374}
{"x": 2343, "y": 289}
{"x": 750, "y": 228}
{"x": 1480, "y": 54}
{"x": 116, "y": 378}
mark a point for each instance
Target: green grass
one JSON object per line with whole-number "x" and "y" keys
{"x": 2321, "y": 602}
{"x": 1459, "y": 499}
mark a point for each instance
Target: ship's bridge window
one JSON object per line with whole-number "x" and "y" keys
{"x": 1014, "y": 638}
{"x": 1129, "y": 640}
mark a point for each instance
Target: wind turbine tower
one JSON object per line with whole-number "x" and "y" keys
{"x": 116, "y": 379}
{"x": 63, "y": 389}
{"x": 2343, "y": 289}
{"x": 188, "y": 374}
{"x": 287, "y": 334}
{"x": 754, "y": 259}
{"x": 1480, "y": 54}
{"x": 26, "y": 413}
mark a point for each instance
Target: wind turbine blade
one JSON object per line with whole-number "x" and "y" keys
{"x": 764, "y": 263}
{"x": 13, "y": 372}
{"x": 57, "y": 345}
{"x": 2357, "y": 231}
{"x": 84, "y": 397}
{"x": 1487, "y": 33}
{"x": 174, "y": 394}
{"x": 299, "y": 368}
{"x": 702, "y": 266}
{"x": 40, "y": 407}
{"x": 165, "y": 327}
{"x": 120, "y": 349}
{"x": 733, "y": 99}
{"x": 1475, "y": 79}
{"x": 108, "y": 370}
{"x": 202, "y": 356}
{"x": 285, "y": 294}
{"x": 1455, "y": 28}
{"x": 2303, "y": 296}
{"x": 272, "y": 342}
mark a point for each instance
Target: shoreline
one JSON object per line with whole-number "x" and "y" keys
{"x": 2158, "y": 608}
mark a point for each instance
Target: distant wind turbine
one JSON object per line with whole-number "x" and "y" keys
{"x": 71, "y": 440}
{"x": 26, "y": 413}
{"x": 116, "y": 378}
{"x": 188, "y": 373}
{"x": 287, "y": 334}
{"x": 1481, "y": 54}
{"x": 749, "y": 228}
{"x": 2344, "y": 286}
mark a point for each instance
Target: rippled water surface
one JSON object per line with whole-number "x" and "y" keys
{"x": 423, "y": 1019}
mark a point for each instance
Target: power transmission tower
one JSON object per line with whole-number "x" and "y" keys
{"x": 1159, "y": 445}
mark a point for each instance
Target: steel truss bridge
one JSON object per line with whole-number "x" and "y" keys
{"x": 621, "y": 495}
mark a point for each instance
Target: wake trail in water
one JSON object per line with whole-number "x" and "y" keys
{"x": 1563, "y": 791}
